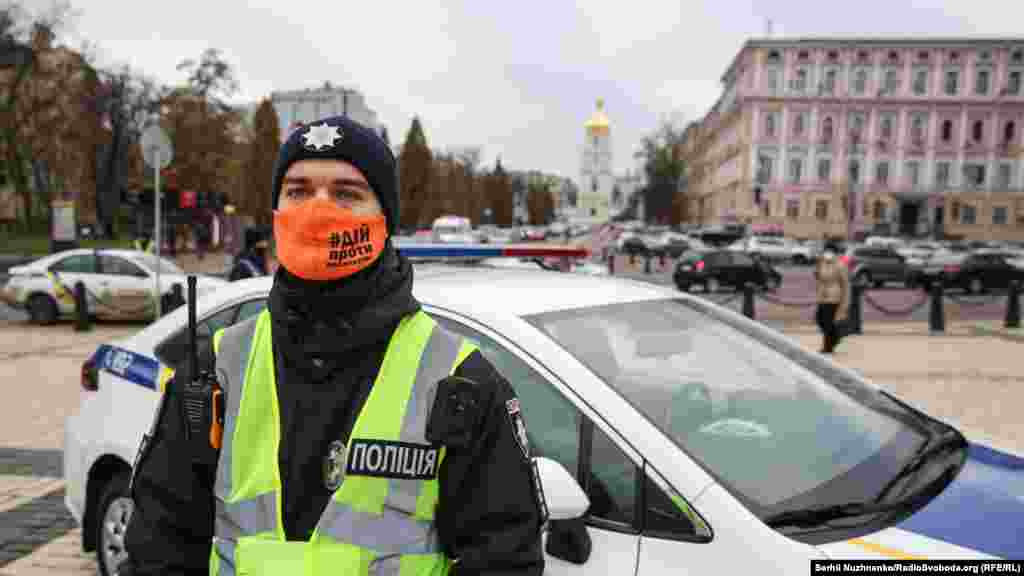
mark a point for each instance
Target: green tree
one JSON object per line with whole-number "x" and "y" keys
{"x": 415, "y": 176}
{"x": 664, "y": 166}
{"x": 256, "y": 195}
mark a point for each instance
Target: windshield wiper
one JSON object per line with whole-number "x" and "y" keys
{"x": 810, "y": 517}
{"x": 934, "y": 446}
{"x": 815, "y": 516}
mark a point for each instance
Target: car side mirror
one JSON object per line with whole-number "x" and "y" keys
{"x": 563, "y": 495}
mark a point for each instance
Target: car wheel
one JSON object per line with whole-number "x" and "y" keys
{"x": 879, "y": 283}
{"x": 711, "y": 285}
{"x": 800, "y": 260}
{"x": 42, "y": 309}
{"x": 772, "y": 283}
{"x": 976, "y": 286}
{"x": 683, "y": 286}
{"x": 862, "y": 278}
{"x": 114, "y": 510}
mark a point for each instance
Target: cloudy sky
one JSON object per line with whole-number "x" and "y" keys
{"x": 517, "y": 78}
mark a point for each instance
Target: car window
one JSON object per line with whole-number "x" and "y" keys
{"x": 668, "y": 513}
{"x": 120, "y": 267}
{"x": 251, "y": 308}
{"x": 717, "y": 259}
{"x": 174, "y": 350}
{"x": 553, "y": 426}
{"x": 552, "y": 421}
{"x": 612, "y": 483}
{"x": 742, "y": 260}
{"x": 78, "y": 263}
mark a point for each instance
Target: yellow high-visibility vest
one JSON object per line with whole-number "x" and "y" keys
{"x": 380, "y": 519}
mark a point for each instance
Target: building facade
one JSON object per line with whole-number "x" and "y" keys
{"x": 846, "y": 137}
{"x": 596, "y": 178}
{"x": 302, "y": 106}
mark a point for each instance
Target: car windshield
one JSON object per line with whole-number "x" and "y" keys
{"x": 166, "y": 266}
{"x": 778, "y": 427}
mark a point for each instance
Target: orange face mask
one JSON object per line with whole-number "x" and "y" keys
{"x": 319, "y": 240}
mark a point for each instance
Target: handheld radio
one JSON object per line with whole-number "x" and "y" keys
{"x": 202, "y": 397}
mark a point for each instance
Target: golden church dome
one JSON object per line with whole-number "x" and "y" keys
{"x": 598, "y": 122}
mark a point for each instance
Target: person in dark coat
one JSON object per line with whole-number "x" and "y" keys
{"x": 252, "y": 262}
{"x": 330, "y": 326}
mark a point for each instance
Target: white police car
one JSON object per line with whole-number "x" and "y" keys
{"x": 119, "y": 284}
{"x": 690, "y": 438}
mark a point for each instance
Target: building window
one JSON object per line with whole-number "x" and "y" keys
{"x": 920, "y": 82}
{"x": 830, "y": 81}
{"x": 981, "y": 82}
{"x": 792, "y": 209}
{"x": 913, "y": 169}
{"x": 885, "y": 129}
{"x": 769, "y": 125}
{"x": 968, "y": 214}
{"x": 824, "y": 169}
{"x": 955, "y": 212}
{"x": 974, "y": 175}
{"x": 773, "y": 80}
{"x": 853, "y": 169}
{"x": 1017, "y": 57}
{"x": 879, "y": 209}
{"x": 917, "y": 130}
{"x": 826, "y": 131}
{"x": 799, "y": 84}
{"x": 798, "y": 124}
{"x": 952, "y": 84}
{"x": 765, "y": 166}
{"x": 1005, "y": 176}
{"x": 774, "y": 57}
{"x": 891, "y": 81}
{"x": 882, "y": 173}
{"x": 860, "y": 81}
{"x": 947, "y": 131}
{"x": 856, "y": 127}
{"x": 1013, "y": 84}
{"x": 999, "y": 214}
{"x": 1009, "y": 132}
{"x": 942, "y": 170}
{"x": 821, "y": 209}
{"x": 978, "y": 131}
{"x": 796, "y": 167}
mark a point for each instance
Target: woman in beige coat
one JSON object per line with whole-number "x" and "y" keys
{"x": 833, "y": 296}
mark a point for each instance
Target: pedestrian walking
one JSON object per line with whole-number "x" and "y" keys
{"x": 231, "y": 234}
{"x": 833, "y": 296}
{"x": 360, "y": 436}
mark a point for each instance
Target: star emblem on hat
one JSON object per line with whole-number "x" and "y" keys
{"x": 322, "y": 136}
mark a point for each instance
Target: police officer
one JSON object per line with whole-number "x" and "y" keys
{"x": 359, "y": 437}
{"x": 253, "y": 261}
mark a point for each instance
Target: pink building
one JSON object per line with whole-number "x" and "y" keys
{"x": 917, "y": 136}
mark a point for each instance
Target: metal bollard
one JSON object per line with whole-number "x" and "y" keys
{"x": 748, "y": 300}
{"x": 647, "y": 264}
{"x": 82, "y": 320}
{"x": 661, "y": 263}
{"x": 1013, "y": 306}
{"x": 937, "y": 319}
{"x": 856, "y": 299}
{"x": 611, "y": 264}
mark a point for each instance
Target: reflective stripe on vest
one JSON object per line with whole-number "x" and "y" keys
{"x": 379, "y": 524}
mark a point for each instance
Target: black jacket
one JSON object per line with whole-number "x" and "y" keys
{"x": 489, "y": 514}
{"x": 248, "y": 265}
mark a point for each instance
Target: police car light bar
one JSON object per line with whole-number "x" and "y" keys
{"x": 471, "y": 251}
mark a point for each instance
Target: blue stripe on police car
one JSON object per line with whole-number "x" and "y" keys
{"x": 135, "y": 368}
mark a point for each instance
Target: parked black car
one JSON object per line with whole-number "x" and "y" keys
{"x": 718, "y": 268}
{"x": 876, "y": 265}
{"x": 983, "y": 271}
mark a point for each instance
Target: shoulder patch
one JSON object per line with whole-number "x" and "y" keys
{"x": 515, "y": 416}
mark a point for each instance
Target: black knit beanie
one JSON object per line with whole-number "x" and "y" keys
{"x": 340, "y": 138}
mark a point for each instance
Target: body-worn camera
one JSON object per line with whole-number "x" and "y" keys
{"x": 456, "y": 414}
